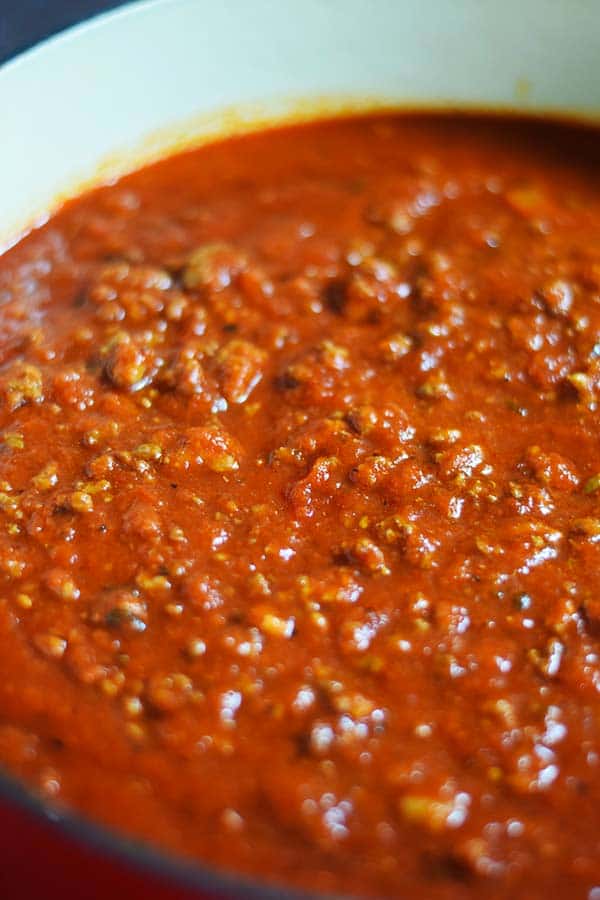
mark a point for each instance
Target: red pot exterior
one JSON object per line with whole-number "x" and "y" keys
{"x": 36, "y": 860}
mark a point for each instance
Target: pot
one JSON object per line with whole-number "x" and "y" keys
{"x": 158, "y": 75}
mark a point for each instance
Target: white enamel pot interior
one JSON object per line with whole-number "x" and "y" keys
{"x": 131, "y": 84}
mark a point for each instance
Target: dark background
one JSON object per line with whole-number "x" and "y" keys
{"x": 25, "y": 22}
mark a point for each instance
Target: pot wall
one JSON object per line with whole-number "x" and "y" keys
{"x": 101, "y": 90}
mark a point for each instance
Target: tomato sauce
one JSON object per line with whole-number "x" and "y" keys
{"x": 300, "y": 507}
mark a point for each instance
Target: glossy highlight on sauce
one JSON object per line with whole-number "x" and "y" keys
{"x": 300, "y": 507}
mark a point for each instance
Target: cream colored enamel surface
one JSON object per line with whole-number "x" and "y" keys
{"x": 100, "y": 91}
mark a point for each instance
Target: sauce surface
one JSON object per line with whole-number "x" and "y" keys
{"x": 300, "y": 507}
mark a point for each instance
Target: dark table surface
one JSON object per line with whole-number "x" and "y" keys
{"x": 25, "y": 22}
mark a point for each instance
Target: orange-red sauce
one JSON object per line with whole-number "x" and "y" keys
{"x": 300, "y": 507}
